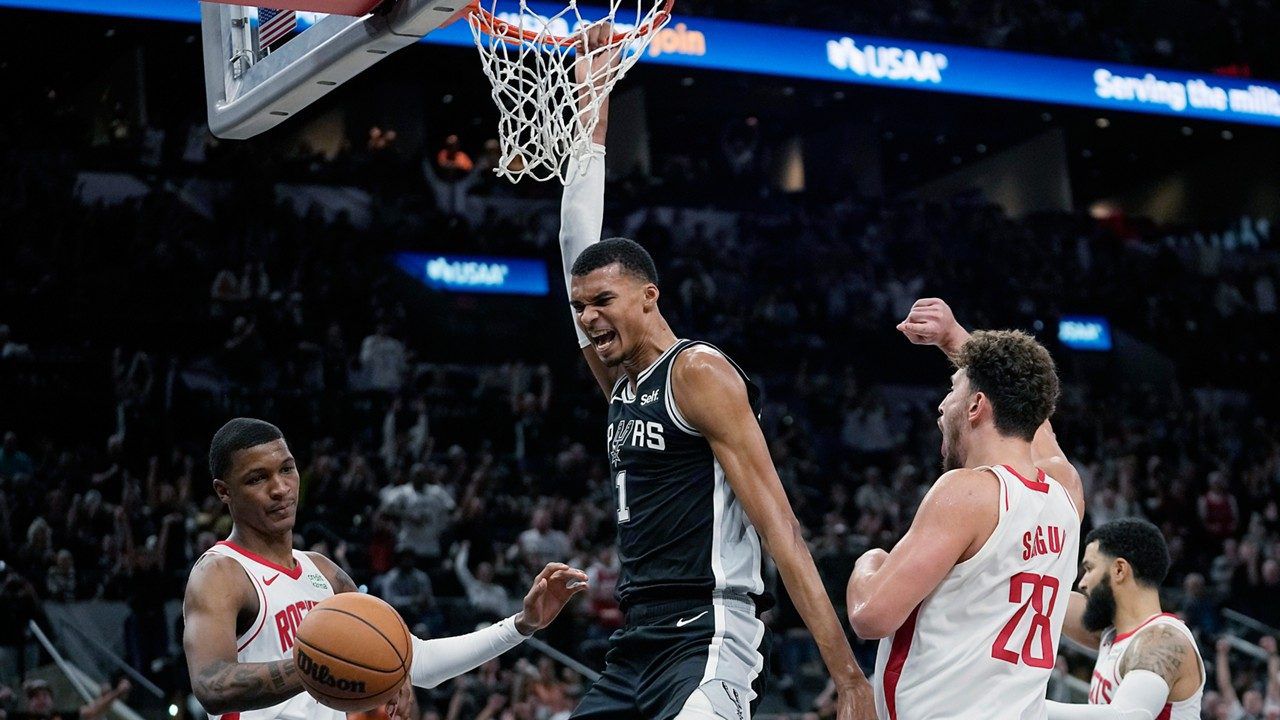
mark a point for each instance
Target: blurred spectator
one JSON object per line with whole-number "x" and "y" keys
{"x": 13, "y": 461}
{"x": 60, "y": 580}
{"x": 451, "y": 162}
{"x": 40, "y": 703}
{"x": 1199, "y": 609}
{"x": 1218, "y": 509}
{"x": 21, "y": 606}
{"x": 408, "y": 590}
{"x": 541, "y": 543}
{"x": 483, "y": 593}
{"x": 9, "y": 348}
{"x": 384, "y": 359}
{"x": 1246, "y": 706}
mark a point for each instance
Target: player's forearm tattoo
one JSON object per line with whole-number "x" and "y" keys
{"x": 236, "y": 687}
{"x": 1160, "y": 650}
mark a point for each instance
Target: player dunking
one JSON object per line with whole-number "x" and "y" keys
{"x": 247, "y": 595}
{"x": 1148, "y": 666}
{"x": 697, "y": 494}
{"x": 970, "y": 603}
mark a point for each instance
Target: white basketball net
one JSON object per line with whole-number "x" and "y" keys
{"x": 547, "y": 114}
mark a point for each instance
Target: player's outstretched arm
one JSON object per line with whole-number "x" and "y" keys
{"x": 582, "y": 205}
{"x": 956, "y": 516}
{"x": 217, "y": 592}
{"x": 712, "y": 396}
{"x": 438, "y": 660}
{"x": 1161, "y": 666}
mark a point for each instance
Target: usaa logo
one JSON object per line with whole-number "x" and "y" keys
{"x": 892, "y": 63}
{"x": 678, "y": 40}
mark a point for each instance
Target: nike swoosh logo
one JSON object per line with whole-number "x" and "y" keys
{"x": 273, "y": 579}
{"x": 682, "y": 622}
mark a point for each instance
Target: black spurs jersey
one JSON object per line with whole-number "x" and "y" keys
{"x": 681, "y": 531}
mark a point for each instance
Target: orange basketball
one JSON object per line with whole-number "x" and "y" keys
{"x": 353, "y": 652}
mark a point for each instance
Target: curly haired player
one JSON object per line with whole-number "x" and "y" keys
{"x": 970, "y": 603}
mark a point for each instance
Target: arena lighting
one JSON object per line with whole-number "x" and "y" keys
{"x": 1085, "y": 332}
{"x": 476, "y": 274}
{"x": 713, "y": 44}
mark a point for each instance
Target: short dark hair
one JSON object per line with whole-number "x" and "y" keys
{"x": 633, "y": 258}
{"x": 1017, "y": 374}
{"x": 238, "y": 434}
{"x": 1140, "y": 543}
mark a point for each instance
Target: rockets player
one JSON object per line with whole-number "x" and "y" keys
{"x": 1148, "y": 666}
{"x": 971, "y": 602}
{"x": 247, "y": 595}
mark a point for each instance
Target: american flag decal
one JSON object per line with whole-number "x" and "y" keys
{"x": 274, "y": 24}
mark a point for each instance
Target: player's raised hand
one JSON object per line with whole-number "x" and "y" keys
{"x": 598, "y": 56}
{"x": 931, "y": 322}
{"x": 551, "y": 591}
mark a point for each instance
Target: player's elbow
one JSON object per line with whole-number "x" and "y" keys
{"x": 870, "y": 622}
{"x": 211, "y": 702}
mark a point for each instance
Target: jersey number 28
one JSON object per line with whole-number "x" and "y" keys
{"x": 1039, "y": 633}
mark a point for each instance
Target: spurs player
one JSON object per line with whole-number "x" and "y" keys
{"x": 698, "y": 499}
{"x": 247, "y": 595}
{"x": 1148, "y": 666}
{"x": 970, "y": 603}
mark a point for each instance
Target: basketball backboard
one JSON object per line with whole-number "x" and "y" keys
{"x": 250, "y": 91}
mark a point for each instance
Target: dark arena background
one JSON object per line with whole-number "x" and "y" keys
{"x": 1102, "y": 175}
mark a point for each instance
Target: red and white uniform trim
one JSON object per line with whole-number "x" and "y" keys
{"x": 285, "y": 595}
{"x": 1106, "y": 676}
{"x": 982, "y": 645}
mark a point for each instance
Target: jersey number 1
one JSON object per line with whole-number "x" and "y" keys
{"x": 624, "y": 512}
{"x": 1039, "y": 633}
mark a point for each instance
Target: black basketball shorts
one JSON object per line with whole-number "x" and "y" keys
{"x": 670, "y": 649}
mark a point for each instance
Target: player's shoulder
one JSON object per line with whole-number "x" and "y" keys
{"x": 963, "y": 489}
{"x": 698, "y": 361}
{"x": 337, "y": 577}
{"x": 967, "y": 480}
{"x": 1161, "y": 647}
{"x": 214, "y": 576}
{"x": 1066, "y": 475}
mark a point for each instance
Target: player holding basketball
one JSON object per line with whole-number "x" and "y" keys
{"x": 697, "y": 494}
{"x": 971, "y": 602}
{"x": 1148, "y": 665}
{"x": 247, "y": 595}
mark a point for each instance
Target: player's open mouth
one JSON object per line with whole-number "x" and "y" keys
{"x": 603, "y": 340}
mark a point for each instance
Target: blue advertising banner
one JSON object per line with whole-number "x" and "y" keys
{"x": 476, "y": 274}
{"x": 1085, "y": 332}
{"x": 818, "y": 55}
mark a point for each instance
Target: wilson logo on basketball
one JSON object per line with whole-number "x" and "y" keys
{"x": 321, "y": 675}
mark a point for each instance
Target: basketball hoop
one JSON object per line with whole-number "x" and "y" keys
{"x": 547, "y": 112}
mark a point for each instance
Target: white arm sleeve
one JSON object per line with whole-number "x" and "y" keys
{"x": 435, "y": 661}
{"x": 1141, "y": 696}
{"x": 581, "y": 217}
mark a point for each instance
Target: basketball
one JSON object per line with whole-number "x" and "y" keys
{"x": 353, "y": 652}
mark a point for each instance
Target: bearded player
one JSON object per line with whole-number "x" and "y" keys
{"x": 1148, "y": 665}
{"x": 698, "y": 498}
{"x": 247, "y": 595}
{"x": 970, "y": 603}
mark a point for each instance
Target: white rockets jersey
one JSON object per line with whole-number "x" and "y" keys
{"x": 1106, "y": 677}
{"x": 284, "y": 597}
{"x": 982, "y": 645}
